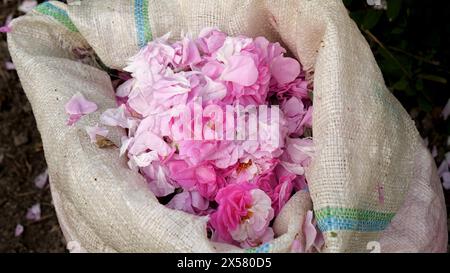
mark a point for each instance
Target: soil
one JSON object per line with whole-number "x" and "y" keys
{"x": 21, "y": 160}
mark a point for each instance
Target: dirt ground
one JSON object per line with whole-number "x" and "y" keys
{"x": 22, "y": 159}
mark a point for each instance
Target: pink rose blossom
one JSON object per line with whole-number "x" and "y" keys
{"x": 233, "y": 202}
{"x": 243, "y": 215}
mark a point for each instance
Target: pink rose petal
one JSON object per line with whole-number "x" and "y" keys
{"x": 124, "y": 89}
{"x": 182, "y": 201}
{"x": 191, "y": 56}
{"x": 94, "y": 131}
{"x": 115, "y": 117}
{"x": 158, "y": 181}
{"x": 446, "y": 180}
{"x": 198, "y": 201}
{"x": 18, "y": 230}
{"x": 148, "y": 140}
{"x": 309, "y": 230}
{"x": 5, "y": 29}
{"x": 296, "y": 246}
{"x": 77, "y": 107}
{"x": 7, "y": 26}
{"x": 27, "y": 6}
{"x": 241, "y": 70}
{"x": 434, "y": 151}
{"x": 444, "y": 167}
{"x": 10, "y": 66}
{"x": 285, "y": 69}
{"x": 41, "y": 180}
{"x": 34, "y": 213}
{"x": 446, "y": 110}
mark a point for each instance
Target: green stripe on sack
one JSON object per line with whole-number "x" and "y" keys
{"x": 330, "y": 219}
{"x": 143, "y": 31}
{"x": 354, "y": 214}
{"x": 56, "y": 13}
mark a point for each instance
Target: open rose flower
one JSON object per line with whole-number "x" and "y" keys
{"x": 203, "y": 178}
{"x": 243, "y": 215}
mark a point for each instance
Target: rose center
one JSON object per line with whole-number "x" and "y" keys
{"x": 243, "y": 166}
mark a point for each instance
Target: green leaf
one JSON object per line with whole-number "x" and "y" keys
{"x": 419, "y": 84}
{"x": 358, "y": 16}
{"x": 393, "y": 9}
{"x": 433, "y": 78}
{"x": 424, "y": 104}
{"x": 371, "y": 19}
{"x": 401, "y": 85}
{"x": 389, "y": 65}
{"x": 398, "y": 30}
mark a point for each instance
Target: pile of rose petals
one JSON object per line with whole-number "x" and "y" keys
{"x": 242, "y": 184}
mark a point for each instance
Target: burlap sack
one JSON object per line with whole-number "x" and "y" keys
{"x": 371, "y": 178}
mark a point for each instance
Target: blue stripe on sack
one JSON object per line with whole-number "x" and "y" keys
{"x": 142, "y": 23}
{"x": 332, "y": 223}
